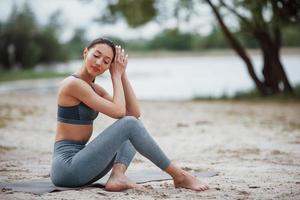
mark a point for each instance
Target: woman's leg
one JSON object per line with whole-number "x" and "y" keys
{"x": 98, "y": 154}
{"x": 125, "y": 154}
{"x": 100, "y": 151}
{"x": 118, "y": 180}
{"x": 119, "y": 164}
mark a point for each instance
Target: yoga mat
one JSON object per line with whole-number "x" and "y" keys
{"x": 45, "y": 185}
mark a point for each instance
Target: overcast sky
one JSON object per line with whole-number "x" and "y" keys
{"x": 79, "y": 14}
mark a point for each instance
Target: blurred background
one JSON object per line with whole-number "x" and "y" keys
{"x": 178, "y": 49}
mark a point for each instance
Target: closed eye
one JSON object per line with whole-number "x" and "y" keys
{"x": 105, "y": 57}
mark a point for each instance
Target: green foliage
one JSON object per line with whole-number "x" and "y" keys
{"x": 13, "y": 75}
{"x": 273, "y": 18}
{"x": 172, "y": 39}
{"x": 254, "y": 95}
{"x": 246, "y": 39}
{"x": 51, "y": 50}
{"x": 138, "y": 45}
{"x": 24, "y": 43}
{"x": 138, "y": 13}
{"x": 135, "y": 12}
{"x": 214, "y": 40}
{"x": 76, "y": 44}
{"x": 291, "y": 36}
{"x": 254, "y": 17}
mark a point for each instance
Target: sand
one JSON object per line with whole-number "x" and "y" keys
{"x": 254, "y": 145}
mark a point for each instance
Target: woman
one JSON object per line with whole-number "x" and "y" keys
{"x": 80, "y": 99}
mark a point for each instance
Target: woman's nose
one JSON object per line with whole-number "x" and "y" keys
{"x": 99, "y": 61}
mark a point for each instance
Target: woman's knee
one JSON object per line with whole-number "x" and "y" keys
{"x": 131, "y": 121}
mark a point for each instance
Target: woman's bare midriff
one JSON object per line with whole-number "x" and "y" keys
{"x": 74, "y": 132}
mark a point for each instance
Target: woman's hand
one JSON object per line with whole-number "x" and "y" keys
{"x": 119, "y": 65}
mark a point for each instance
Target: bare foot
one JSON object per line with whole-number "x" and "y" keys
{"x": 119, "y": 182}
{"x": 189, "y": 182}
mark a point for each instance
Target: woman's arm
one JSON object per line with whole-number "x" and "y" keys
{"x": 132, "y": 106}
{"x": 80, "y": 90}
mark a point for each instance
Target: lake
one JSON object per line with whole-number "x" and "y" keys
{"x": 178, "y": 78}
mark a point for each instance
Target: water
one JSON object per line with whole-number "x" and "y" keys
{"x": 179, "y": 78}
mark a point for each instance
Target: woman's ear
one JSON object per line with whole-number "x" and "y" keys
{"x": 85, "y": 51}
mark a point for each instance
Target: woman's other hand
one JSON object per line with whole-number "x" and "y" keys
{"x": 119, "y": 65}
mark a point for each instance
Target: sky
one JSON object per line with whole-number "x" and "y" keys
{"x": 80, "y": 14}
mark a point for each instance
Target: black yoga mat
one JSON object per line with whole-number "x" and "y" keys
{"x": 41, "y": 186}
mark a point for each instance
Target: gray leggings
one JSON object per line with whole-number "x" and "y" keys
{"x": 75, "y": 164}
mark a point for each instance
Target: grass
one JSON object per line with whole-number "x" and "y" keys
{"x": 28, "y": 74}
{"x": 2, "y": 122}
{"x": 293, "y": 126}
{"x": 6, "y": 148}
{"x": 254, "y": 95}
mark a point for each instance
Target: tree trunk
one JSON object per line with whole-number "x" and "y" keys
{"x": 239, "y": 50}
{"x": 275, "y": 78}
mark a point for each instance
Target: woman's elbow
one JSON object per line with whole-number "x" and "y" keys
{"x": 137, "y": 114}
{"x": 134, "y": 114}
{"x": 118, "y": 113}
{"x": 118, "y": 116}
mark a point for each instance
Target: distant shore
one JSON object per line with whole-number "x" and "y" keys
{"x": 211, "y": 52}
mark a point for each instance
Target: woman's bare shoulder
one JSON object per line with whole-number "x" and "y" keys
{"x": 70, "y": 84}
{"x": 73, "y": 90}
{"x": 70, "y": 88}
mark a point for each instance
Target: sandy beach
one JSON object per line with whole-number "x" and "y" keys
{"x": 255, "y": 147}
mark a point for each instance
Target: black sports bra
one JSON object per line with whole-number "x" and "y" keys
{"x": 78, "y": 114}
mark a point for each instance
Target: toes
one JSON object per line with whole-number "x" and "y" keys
{"x": 203, "y": 188}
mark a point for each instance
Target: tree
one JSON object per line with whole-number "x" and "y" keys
{"x": 172, "y": 39}
{"x": 16, "y": 37}
{"x": 47, "y": 39}
{"x": 76, "y": 43}
{"x": 135, "y": 12}
{"x": 267, "y": 32}
{"x": 262, "y": 19}
{"x": 24, "y": 43}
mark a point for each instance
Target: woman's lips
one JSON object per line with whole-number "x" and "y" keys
{"x": 96, "y": 69}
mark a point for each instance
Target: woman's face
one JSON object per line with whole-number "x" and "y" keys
{"x": 98, "y": 58}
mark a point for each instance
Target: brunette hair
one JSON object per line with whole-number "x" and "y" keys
{"x": 103, "y": 41}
